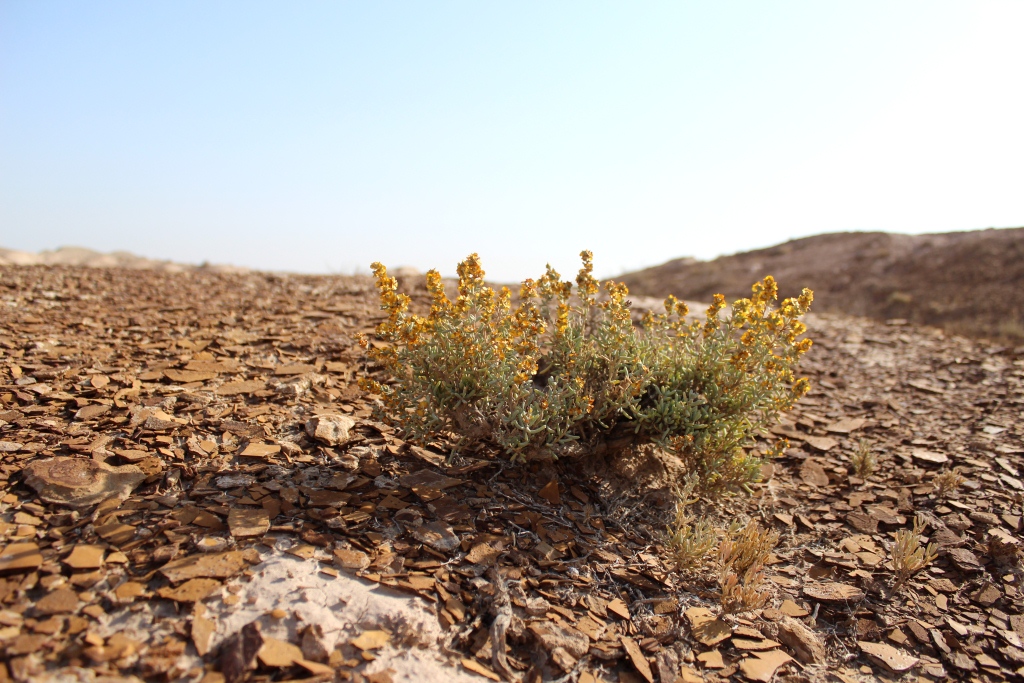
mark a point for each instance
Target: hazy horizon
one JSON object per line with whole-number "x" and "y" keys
{"x": 321, "y": 137}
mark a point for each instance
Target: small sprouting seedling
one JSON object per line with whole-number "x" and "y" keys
{"x": 947, "y": 481}
{"x": 689, "y": 541}
{"x": 863, "y": 461}
{"x": 908, "y": 556}
{"x": 742, "y": 555}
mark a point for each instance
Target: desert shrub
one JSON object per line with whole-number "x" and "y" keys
{"x": 564, "y": 372}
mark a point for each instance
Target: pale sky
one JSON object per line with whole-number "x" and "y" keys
{"x": 321, "y": 136}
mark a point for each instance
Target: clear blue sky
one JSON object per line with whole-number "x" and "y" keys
{"x": 320, "y": 136}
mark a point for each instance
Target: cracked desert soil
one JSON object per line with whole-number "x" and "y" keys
{"x": 196, "y": 490}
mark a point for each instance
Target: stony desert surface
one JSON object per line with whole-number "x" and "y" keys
{"x": 195, "y": 489}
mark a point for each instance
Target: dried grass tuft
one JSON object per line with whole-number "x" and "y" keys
{"x": 908, "y": 555}
{"x": 742, "y": 556}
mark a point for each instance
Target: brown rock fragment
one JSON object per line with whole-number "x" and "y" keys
{"x": 212, "y": 566}
{"x": 803, "y": 641}
{"x": 813, "y": 474}
{"x": 636, "y": 656}
{"x": 260, "y": 450}
{"x": 820, "y": 443}
{"x": 190, "y": 591}
{"x": 831, "y": 591}
{"x": 550, "y": 493}
{"x": 891, "y": 658}
{"x": 551, "y": 635}
{"x": 763, "y": 665}
{"x": 314, "y": 647}
{"x": 236, "y": 388}
{"x": 437, "y": 535}
{"x": 351, "y": 560}
{"x": 20, "y": 557}
{"x": 278, "y": 653}
{"x": 238, "y": 653}
{"x": 81, "y": 482}
{"x": 60, "y": 601}
{"x": 331, "y": 429}
{"x": 84, "y": 556}
{"x": 248, "y": 522}
{"x": 203, "y": 629}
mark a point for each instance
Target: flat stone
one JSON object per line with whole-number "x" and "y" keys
{"x": 91, "y": 412}
{"x": 371, "y": 640}
{"x": 428, "y": 479}
{"x": 929, "y": 457}
{"x": 248, "y": 522}
{"x": 84, "y": 556}
{"x": 813, "y": 474}
{"x": 763, "y": 665}
{"x": 712, "y": 659}
{"x": 211, "y": 566}
{"x": 116, "y": 533}
{"x": 60, "y": 601}
{"x": 187, "y": 376}
{"x": 235, "y": 388}
{"x": 965, "y": 560}
{"x": 437, "y": 535}
{"x": 891, "y": 658}
{"x": 20, "y": 557}
{"x": 81, "y": 482}
{"x": 277, "y": 653}
{"x": 552, "y": 635}
{"x": 820, "y": 443}
{"x": 332, "y": 429}
{"x": 803, "y": 641}
{"x": 351, "y": 560}
{"x": 636, "y": 656}
{"x": 846, "y": 425}
{"x": 832, "y": 591}
{"x": 193, "y": 590}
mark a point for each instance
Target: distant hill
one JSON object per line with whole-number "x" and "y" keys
{"x": 80, "y": 256}
{"x": 969, "y": 283}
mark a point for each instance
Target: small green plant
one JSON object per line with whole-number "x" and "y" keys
{"x": 742, "y": 556}
{"x": 863, "y": 461}
{"x": 565, "y": 373}
{"x": 908, "y": 555}
{"x": 689, "y": 540}
{"x": 947, "y": 481}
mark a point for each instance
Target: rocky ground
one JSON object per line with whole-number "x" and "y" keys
{"x": 196, "y": 490}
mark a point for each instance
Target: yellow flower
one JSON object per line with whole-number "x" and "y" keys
{"x": 585, "y": 281}
{"x": 562, "y": 323}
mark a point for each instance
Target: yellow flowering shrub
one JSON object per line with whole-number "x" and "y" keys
{"x": 563, "y": 370}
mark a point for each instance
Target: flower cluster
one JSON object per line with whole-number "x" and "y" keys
{"x": 564, "y": 369}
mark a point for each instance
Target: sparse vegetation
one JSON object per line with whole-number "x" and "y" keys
{"x": 689, "y": 540}
{"x": 908, "y": 555}
{"x": 742, "y": 555}
{"x": 564, "y": 373}
{"x": 863, "y": 460}
{"x": 947, "y": 481}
